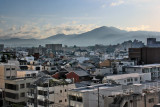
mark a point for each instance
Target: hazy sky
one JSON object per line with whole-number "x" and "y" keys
{"x": 43, "y": 18}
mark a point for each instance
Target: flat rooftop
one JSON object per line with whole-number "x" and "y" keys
{"x": 94, "y": 87}
{"x": 145, "y": 66}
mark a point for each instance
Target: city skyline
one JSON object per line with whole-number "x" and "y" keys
{"x": 41, "y": 19}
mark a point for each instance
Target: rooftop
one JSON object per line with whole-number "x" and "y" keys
{"x": 146, "y": 66}
{"x": 123, "y": 76}
{"x": 94, "y": 87}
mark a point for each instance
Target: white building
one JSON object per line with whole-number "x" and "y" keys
{"x": 154, "y": 69}
{"x": 103, "y": 71}
{"x": 124, "y": 79}
{"x": 45, "y": 94}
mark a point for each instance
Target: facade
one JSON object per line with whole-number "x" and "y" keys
{"x": 125, "y": 79}
{"x": 146, "y": 55}
{"x": 103, "y": 71}
{"x": 78, "y": 76}
{"x": 145, "y": 99}
{"x": 16, "y": 90}
{"x": 54, "y": 47}
{"x": 7, "y": 71}
{"x": 107, "y": 95}
{"x": 154, "y": 69}
{"x": 27, "y": 73}
{"x": 50, "y": 93}
{"x": 152, "y": 42}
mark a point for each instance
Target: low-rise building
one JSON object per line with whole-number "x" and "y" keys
{"x": 16, "y": 90}
{"x": 124, "y": 79}
{"x": 48, "y": 92}
{"x": 7, "y": 71}
{"x": 154, "y": 69}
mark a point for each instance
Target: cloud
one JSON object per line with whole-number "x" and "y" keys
{"x": 2, "y": 21}
{"x": 69, "y": 28}
{"x": 13, "y": 28}
{"x": 117, "y": 3}
{"x": 43, "y": 31}
{"x": 137, "y": 28}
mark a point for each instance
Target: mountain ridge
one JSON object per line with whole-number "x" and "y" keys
{"x": 102, "y": 35}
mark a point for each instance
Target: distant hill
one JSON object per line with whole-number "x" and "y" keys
{"x": 102, "y": 35}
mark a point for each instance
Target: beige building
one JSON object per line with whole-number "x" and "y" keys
{"x": 54, "y": 94}
{"x": 7, "y": 71}
{"x": 16, "y": 90}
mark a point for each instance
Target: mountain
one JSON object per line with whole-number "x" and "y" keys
{"x": 102, "y": 35}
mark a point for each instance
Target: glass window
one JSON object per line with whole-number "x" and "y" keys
{"x": 22, "y": 94}
{"x": 21, "y": 85}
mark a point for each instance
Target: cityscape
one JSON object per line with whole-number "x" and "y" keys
{"x": 79, "y": 53}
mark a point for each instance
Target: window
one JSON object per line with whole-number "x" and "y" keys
{"x": 27, "y": 75}
{"x": 65, "y": 90}
{"x": 27, "y": 85}
{"x": 135, "y": 79}
{"x": 34, "y": 75}
{"x": 11, "y": 86}
{"x": 11, "y": 95}
{"x": 13, "y": 68}
{"x": 60, "y": 101}
{"x": 65, "y": 100}
{"x": 124, "y": 81}
{"x": 134, "y": 69}
{"x": 60, "y": 91}
{"x": 128, "y": 80}
{"x": 7, "y": 69}
{"x": 151, "y": 100}
{"x": 72, "y": 97}
{"x": 21, "y": 85}
{"x": 22, "y": 94}
{"x": 79, "y": 99}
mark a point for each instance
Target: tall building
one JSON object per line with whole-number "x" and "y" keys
{"x": 151, "y": 42}
{"x": 54, "y": 47}
{"x": 1, "y": 47}
{"x": 146, "y": 55}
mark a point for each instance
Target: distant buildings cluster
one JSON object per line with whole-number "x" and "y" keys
{"x": 57, "y": 76}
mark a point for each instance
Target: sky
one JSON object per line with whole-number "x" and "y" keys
{"x": 43, "y": 18}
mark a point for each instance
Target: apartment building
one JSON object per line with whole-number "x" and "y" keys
{"x": 125, "y": 79}
{"x": 110, "y": 95}
{"x": 16, "y": 90}
{"x": 7, "y": 71}
{"x": 154, "y": 69}
{"x": 49, "y": 92}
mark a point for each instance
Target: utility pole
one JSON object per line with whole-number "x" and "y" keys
{"x": 98, "y": 97}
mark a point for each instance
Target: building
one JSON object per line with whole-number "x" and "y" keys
{"x": 151, "y": 42}
{"x": 110, "y": 95}
{"x": 78, "y": 75}
{"x": 16, "y": 90}
{"x": 27, "y": 73}
{"x": 146, "y": 55}
{"x": 103, "y": 71}
{"x": 54, "y": 47}
{"x": 154, "y": 69}
{"x": 146, "y": 99}
{"x": 1, "y": 47}
{"x": 7, "y": 71}
{"x": 48, "y": 92}
{"x": 125, "y": 79}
